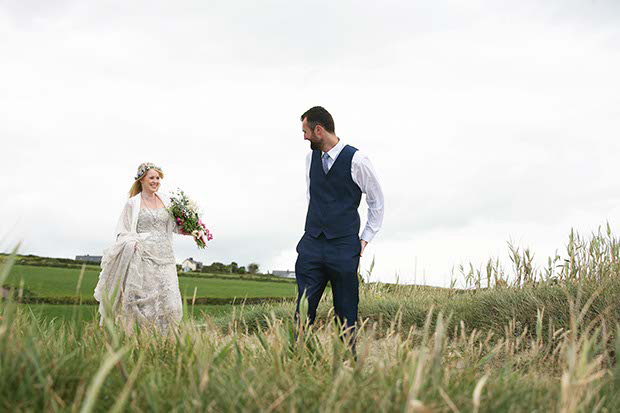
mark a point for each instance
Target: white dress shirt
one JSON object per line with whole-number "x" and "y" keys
{"x": 365, "y": 177}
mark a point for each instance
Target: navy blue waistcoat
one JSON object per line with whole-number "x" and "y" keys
{"x": 334, "y": 197}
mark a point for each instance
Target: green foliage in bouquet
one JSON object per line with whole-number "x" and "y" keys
{"x": 185, "y": 213}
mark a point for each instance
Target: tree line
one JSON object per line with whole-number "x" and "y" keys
{"x": 232, "y": 268}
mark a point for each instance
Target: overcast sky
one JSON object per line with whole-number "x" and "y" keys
{"x": 485, "y": 120}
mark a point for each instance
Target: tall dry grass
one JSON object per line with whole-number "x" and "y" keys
{"x": 532, "y": 345}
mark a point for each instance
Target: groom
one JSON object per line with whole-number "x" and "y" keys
{"x": 336, "y": 176}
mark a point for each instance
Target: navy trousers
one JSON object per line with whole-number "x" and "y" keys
{"x": 336, "y": 260}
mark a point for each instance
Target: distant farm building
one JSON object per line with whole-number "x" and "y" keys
{"x": 284, "y": 274}
{"x": 93, "y": 259}
{"x": 190, "y": 265}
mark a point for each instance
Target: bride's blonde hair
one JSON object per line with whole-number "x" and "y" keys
{"x": 144, "y": 167}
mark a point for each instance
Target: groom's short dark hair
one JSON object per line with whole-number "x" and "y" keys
{"x": 319, "y": 116}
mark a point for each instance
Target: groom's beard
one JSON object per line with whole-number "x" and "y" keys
{"x": 315, "y": 145}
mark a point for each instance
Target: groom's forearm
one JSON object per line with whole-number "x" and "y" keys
{"x": 367, "y": 235}
{"x": 375, "y": 219}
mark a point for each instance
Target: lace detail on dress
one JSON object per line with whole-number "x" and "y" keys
{"x": 151, "y": 296}
{"x": 157, "y": 245}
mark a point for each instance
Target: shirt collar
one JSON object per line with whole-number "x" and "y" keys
{"x": 335, "y": 151}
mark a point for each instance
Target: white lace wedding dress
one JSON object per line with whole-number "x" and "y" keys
{"x": 138, "y": 283}
{"x": 151, "y": 295}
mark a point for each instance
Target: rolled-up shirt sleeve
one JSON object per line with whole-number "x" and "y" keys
{"x": 365, "y": 176}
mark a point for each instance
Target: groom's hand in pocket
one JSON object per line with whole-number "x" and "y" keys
{"x": 364, "y": 243}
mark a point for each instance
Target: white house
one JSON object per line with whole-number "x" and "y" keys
{"x": 190, "y": 265}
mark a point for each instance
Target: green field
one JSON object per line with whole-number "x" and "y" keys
{"x": 53, "y": 282}
{"x": 62, "y": 282}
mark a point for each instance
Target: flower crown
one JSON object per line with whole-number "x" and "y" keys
{"x": 144, "y": 168}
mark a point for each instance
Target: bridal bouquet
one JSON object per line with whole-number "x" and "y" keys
{"x": 185, "y": 212}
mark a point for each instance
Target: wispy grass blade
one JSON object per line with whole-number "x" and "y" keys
{"x": 97, "y": 382}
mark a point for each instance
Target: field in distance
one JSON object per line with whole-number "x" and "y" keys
{"x": 62, "y": 282}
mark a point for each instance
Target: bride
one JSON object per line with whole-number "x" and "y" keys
{"x": 138, "y": 282}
